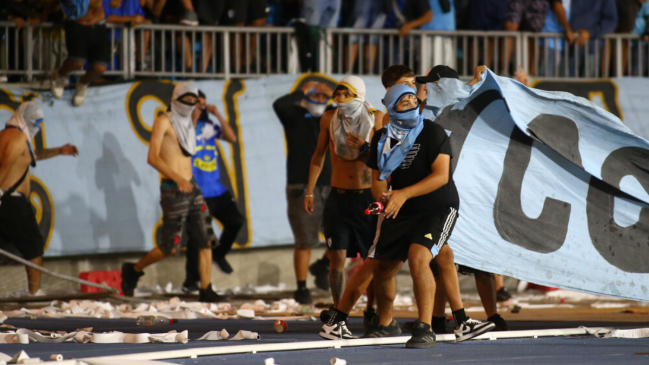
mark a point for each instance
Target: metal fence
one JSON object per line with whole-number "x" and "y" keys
{"x": 227, "y": 52}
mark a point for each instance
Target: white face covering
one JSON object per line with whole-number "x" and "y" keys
{"x": 28, "y": 118}
{"x": 353, "y": 115}
{"x": 181, "y": 116}
{"x": 315, "y": 109}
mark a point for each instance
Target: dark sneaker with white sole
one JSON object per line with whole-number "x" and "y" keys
{"x": 338, "y": 331}
{"x": 223, "y": 265}
{"x": 422, "y": 336}
{"x": 438, "y": 328}
{"x": 190, "y": 288}
{"x": 500, "y": 323}
{"x": 208, "y": 295}
{"x": 380, "y": 331}
{"x": 303, "y": 296}
{"x": 369, "y": 316}
{"x": 472, "y": 328}
{"x": 503, "y": 295}
{"x": 326, "y": 314}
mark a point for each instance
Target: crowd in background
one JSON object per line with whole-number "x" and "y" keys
{"x": 582, "y": 21}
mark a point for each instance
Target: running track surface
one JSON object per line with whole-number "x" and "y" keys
{"x": 555, "y": 350}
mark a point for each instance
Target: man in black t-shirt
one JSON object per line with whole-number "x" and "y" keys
{"x": 300, "y": 112}
{"x": 419, "y": 217}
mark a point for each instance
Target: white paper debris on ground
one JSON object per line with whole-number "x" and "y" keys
{"x": 269, "y": 361}
{"x": 171, "y": 337}
{"x": 246, "y": 313}
{"x": 403, "y": 301}
{"x": 215, "y": 336}
{"x": 600, "y": 305}
{"x": 245, "y": 335}
{"x": 577, "y": 296}
{"x": 337, "y": 361}
{"x": 635, "y": 333}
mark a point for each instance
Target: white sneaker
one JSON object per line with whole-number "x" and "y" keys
{"x": 79, "y": 93}
{"x": 57, "y": 85}
{"x": 338, "y": 331}
{"x": 472, "y": 328}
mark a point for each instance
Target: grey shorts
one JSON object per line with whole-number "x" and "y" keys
{"x": 184, "y": 213}
{"x": 306, "y": 227}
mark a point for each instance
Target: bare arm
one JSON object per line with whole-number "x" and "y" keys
{"x": 438, "y": 178}
{"x": 227, "y": 133}
{"x": 160, "y": 127}
{"x": 317, "y": 161}
{"x": 560, "y": 12}
{"x": 66, "y": 150}
{"x": 378, "y": 186}
{"x": 477, "y": 74}
{"x": 414, "y": 24}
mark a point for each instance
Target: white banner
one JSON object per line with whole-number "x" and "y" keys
{"x": 107, "y": 199}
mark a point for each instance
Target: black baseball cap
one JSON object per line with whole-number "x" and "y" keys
{"x": 436, "y": 73}
{"x": 201, "y": 94}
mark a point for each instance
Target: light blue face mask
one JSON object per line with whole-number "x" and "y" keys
{"x": 406, "y": 119}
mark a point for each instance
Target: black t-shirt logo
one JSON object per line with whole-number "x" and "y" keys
{"x": 407, "y": 161}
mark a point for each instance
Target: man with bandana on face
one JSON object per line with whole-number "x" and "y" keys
{"x": 299, "y": 113}
{"x": 346, "y": 132}
{"x": 172, "y": 145}
{"x": 18, "y": 225}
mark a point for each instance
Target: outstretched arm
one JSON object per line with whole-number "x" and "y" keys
{"x": 317, "y": 161}
{"x": 65, "y": 150}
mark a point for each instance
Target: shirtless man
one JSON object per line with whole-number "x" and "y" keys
{"x": 173, "y": 142}
{"x": 86, "y": 39}
{"x": 18, "y": 225}
{"x": 346, "y": 131}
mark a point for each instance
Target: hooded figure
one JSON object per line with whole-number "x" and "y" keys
{"x": 28, "y": 118}
{"x": 401, "y": 131}
{"x": 180, "y": 115}
{"x": 354, "y": 115}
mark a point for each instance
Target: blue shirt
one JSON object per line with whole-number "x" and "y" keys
{"x": 441, "y": 20}
{"x": 598, "y": 17}
{"x": 641, "y": 19}
{"x": 128, "y": 8}
{"x": 205, "y": 164}
{"x": 552, "y": 25}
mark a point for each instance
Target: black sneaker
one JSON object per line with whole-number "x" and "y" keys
{"x": 422, "y": 336}
{"x": 338, "y": 331}
{"x": 500, "y": 323}
{"x": 189, "y": 18}
{"x": 208, "y": 295}
{"x": 326, "y": 314}
{"x": 320, "y": 269}
{"x": 472, "y": 328}
{"x": 369, "y": 317}
{"x": 379, "y": 331}
{"x": 503, "y": 295}
{"x": 223, "y": 265}
{"x": 303, "y": 296}
{"x": 130, "y": 277}
{"x": 190, "y": 288}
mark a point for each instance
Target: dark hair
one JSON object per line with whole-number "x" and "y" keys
{"x": 341, "y": 87}
{"x": 393, "y": 73}
{"x": 201, "y": 94}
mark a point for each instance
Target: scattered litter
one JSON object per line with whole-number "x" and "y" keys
{"x": 215, "y": 336}
{"x": 245, "y": 335}
{"x": 13, "y": 337}
{"x": 56, "y": 357}
{"x": 600, "y": 305}
{"x": 171, "y": 337}
{"x": 635, "y": 333}
{"x": 337, "y": 361}
{"x": 280, "y": 326}
{"x": 246, "y": 313}
{"x": 269, "y": 361}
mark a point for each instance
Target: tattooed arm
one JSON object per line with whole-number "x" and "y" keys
{"x": 45, "y": 153}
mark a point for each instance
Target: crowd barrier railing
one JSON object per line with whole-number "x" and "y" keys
{"x": 174, "y": 51}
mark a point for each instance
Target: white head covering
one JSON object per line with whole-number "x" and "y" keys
{"x": 180, "y": 116}
{"x": 352, "y": 115}
{"x": 27, "y": 118}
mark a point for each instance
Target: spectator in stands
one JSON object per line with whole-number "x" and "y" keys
{"x": 239, "y": 13}
{"x": 281, "y": 12}
{"x": 153, "y": 9}
{"x": 627, "y": 10}
{"x": 443, "y": 19}
{"x": 405, "y": 15}
{"x": 130, "y": 12}
{"x": 20, "y": 12}
{"x": 642, "y": 29}
{"x": 322, "y": 13}
{"x": 86, "y": 40}
{"x": 461, "y": 11}
{"x": 553, "y": 25}
{"x": 529, "y": 16}
{"x": 591, "y": 19}
{"x": 484, "y": 15}
{"x": 367, "y": 15}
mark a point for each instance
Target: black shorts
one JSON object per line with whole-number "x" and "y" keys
{"x": 18, "y": 227}
{"x": 209, "y": 11}
{"x": 87, "y": 43}
{"x": 244, "y": 11}
{"x": 430, "y": 230}
{"x": 346, "y": 227}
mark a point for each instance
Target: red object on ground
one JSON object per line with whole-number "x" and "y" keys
{"x": 540, "y": 287}
{"x": 110, "y": 278}
{"x": 280, "y": 326}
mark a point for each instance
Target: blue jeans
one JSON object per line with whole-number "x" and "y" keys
{"x": 323, "y": 13}
{"x": 368, "y": 16}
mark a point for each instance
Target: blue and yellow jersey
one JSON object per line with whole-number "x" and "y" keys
{"x": 205, "y": 161}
